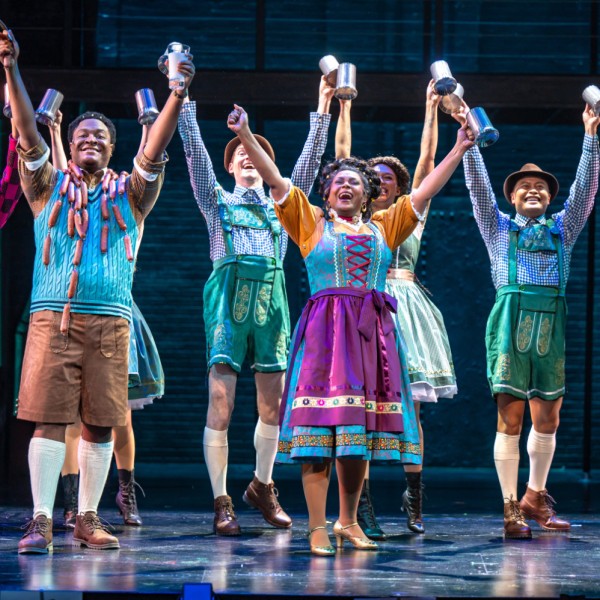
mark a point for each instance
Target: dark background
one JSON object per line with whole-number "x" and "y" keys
{"x": 526, "y": 63}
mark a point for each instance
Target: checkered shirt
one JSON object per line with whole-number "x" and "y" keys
{"x": 204, "y": 184}
{"x": 537, "y": 268}
{"x": 10, "y": 186}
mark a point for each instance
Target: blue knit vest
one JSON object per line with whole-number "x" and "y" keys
{"x": 105, "y": 280}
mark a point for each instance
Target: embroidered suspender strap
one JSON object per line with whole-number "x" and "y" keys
{"x": 225, "y": 221}
{"x": 512, "y": 252}
{"x": 275, "y": 226}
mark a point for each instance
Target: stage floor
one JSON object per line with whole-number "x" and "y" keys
{"x": 461, "y": 554}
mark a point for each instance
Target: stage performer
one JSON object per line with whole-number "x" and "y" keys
{"x": 76, "y": 353}
{"x": 343, "y": 394}
{"x": 146, "y": 382}
{"x": 525, "y": 338}
{"x": 245, "y": 304}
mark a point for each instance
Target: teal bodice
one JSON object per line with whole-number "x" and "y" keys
{"x": 348, "y": 260}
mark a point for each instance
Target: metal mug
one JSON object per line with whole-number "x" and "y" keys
{"x": 481, "y": 126}
{"x": 146, "y": 105}
{"x": 444, "y": 82}
{"x": 329, "y": 67}
{"x": 345, "y": 85}
{"x": 6, "y": 111}
{"x": 451, "y": 103}
{"x": 46, "y": 111}
{"x": 174, "y": 54}
{"x": 591, "y": 95}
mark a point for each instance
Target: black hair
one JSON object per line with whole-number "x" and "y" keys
{"x": 368, "y": 175}
{"x": 92, "y": 115}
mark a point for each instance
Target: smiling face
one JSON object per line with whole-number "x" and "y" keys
{"x": 242, "y": 169}
{"x": 530, "y": 197}
{"x": 91, "y": 147}
{"x": 389, "y": 187}
{"x": 347, "y": 193}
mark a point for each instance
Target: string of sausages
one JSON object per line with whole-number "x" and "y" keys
{"x": 74, "y": 188}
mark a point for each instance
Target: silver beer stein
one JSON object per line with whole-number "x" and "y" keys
{"x": 481, "y": 126}
{"x": 174, "y": 54}
{"x": 329, "y": 67}
{"x": 345, "y": 85}
{"x": 591, "y": 95}
{"x": 6, "y": 111}
{"x": 46, "y": 111}
{"x": 444, "y": 82}
{"x": 451, "y": 103}
{"x": 146, "y": 105}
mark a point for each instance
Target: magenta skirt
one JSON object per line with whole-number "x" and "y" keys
{"x": 350, "y": 371}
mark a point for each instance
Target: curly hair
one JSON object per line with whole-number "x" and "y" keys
{"x": 368, "y": 176}
{"x": 401, "y": 172}
{"x": 92, "y": 115}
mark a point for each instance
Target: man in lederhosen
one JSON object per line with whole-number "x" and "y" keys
{"x": 525, "y": 337}
{"x": 245, "y": 304}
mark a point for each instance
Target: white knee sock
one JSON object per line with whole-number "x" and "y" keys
{"x": 94, "y": 463}
{"x": 266, "y": 438}
{"x": 46, "y": 459}
{"x": 216, "y": 453}
{"x": 540, "y": 447}
{"x": 506, "y": 457}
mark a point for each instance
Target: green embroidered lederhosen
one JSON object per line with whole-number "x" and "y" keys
{"x": 525, "y": 335}
{"x": 245, "y": 302}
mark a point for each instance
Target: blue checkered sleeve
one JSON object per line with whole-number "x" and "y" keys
{"x": 307, "y": 166}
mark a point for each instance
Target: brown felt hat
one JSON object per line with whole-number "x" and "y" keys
{"x": 235, "y": 142}
{"x": 530, "y": 170}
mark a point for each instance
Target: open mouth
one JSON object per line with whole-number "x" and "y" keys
{"x": 345, "y": 195}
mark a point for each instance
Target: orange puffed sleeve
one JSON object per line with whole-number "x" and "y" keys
{"x": 396, "y": 222}
{"x": 303, "y": 222}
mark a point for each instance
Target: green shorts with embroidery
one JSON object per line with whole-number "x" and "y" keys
{"x": 525, "y": 342}
{"x": 246, "y": 314}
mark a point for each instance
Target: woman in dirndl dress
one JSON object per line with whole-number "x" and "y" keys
{"x": 343, "y": 395}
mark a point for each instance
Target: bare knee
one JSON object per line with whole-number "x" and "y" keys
{"x": 95, "y": 434}
{"x": 51, "y": 431}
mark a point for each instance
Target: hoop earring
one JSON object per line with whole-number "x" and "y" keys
{"x": 363, "y": 208}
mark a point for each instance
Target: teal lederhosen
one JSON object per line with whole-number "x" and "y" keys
{"x": 525, "y": 335}
{"x": 245, "y": 302}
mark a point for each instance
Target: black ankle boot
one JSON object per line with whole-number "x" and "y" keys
{"x": 70, "y": 496}
{"x": 126, "y": 500}
{"x": 366, "y": 515}
{"x": 412, "y": 502}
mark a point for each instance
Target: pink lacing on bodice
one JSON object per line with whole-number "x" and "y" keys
{"x": 358, "y": 257}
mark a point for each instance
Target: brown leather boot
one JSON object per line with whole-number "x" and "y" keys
{"x": 70, "y": 484}
{"x": 38, "y": 537}
{"x": 539, "y": 507}
{"x": 90, "y": 532}
{"x": 126, "y": 499}
{"x": 225, "y": 521}
{"x": 515, "y": 527}
{"x": 263, "y": 496}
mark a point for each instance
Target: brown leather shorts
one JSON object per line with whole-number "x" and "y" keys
{"x": 83, "y": 373}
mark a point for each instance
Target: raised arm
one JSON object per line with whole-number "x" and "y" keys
{"x": 343, "y": 131}
{"x": 164, "y": 127}
{"x": 10, "y": 186}
{"x": 267, "y": 169}
{"x": 436, "y": 180}
{"x": 59, "y": 158}
{"x": 20, "y": 103}
{"x": 429, "y": 137}
{"x": 580, "y": 202}
{"x": 307, "y": 166}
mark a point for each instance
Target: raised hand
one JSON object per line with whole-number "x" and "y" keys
{"x": 9, "y": 49}
{"x": 431, "y": 96}
{"x": 237, "y": 120}
{"x": 188, "y": 70}
{"x": 590, "y": 120}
